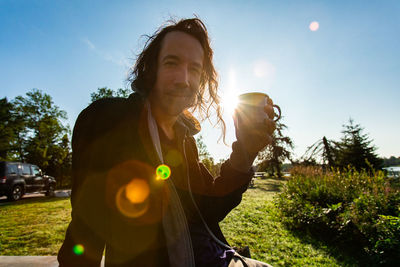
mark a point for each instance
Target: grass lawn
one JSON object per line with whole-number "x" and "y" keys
{"x": 36, "y": 226}
{"x": 33, "y": 226}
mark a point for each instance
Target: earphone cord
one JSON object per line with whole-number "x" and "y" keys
{"x": 195, "y": 205}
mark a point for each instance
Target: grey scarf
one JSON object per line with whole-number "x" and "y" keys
{"x": 176, "y": 230}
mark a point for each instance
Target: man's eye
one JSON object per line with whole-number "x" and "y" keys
{"x": 196, "y": 70}
{"x": 170, "y": 63}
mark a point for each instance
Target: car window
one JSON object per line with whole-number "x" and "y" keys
{"x": 36, "y": 170}
{"x": 12, "y": 169}
{"x": 2, "y": 168}
{"x": 26, "y": 169}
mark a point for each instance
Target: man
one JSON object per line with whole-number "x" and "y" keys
{"x": 139, "y": 190}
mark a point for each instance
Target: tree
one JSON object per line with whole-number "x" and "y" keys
{"x": 6, "y": 131}
{"x": 11, "y": 127}
{"x": 392, "y": 161}
{"x": 324, "y": 150}
{"x": 60, "y": 164}
{"x": 105, "y": 92}
{"x": 356, "y": 149}
{"x": 273, "y": 155}
{"x": 202, "y": 148}
{"x": 206, "y": 158}
{"x": 44, "y": 138}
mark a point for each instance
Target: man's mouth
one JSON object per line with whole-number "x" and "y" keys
{"x": 178, "y": 95}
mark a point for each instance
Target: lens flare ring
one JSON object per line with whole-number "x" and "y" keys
{"x": 78, "y": 249}
{"x": 314, "y": 26}
{"x": 137, "y": 190}
{"x": 163, "y": 172}
{"x": 128, "y": 208}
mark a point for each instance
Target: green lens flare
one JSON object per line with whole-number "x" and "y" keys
{"x": 78, "y": 249}
{"x": 163, "y": 172}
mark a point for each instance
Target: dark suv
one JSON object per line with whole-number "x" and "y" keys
{"x": 18, "y": 178}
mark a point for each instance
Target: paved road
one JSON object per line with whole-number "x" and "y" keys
{"x": 31, "y": 261}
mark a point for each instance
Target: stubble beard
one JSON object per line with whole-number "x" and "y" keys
{"x": 174, "y": 106}
{"x": 171, "y": 105}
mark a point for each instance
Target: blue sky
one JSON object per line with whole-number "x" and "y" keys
{"x": 349, "y": 67}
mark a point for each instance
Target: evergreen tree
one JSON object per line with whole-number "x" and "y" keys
{"x": 356, "y": 149}
{"x": 324, "y": 152}
{"x": 273, "y": 155}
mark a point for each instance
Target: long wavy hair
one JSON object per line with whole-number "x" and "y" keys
{"x": 143, "y": 75}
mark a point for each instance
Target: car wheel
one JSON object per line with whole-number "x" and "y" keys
{"x": 50, "y": 191}
{"x": 16, "y": 193}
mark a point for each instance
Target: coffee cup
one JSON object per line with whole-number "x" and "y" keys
{"x": 250, "y": 108}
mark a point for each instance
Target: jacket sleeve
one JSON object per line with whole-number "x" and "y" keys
{"x": 235, "y": 173}
{"x": 84, "y": 243}
{"x": 217, "y": 206}
{"x": 223, "y": 193}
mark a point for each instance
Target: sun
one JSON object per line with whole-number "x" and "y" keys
{"x": 229, "y": 95}
{"x": 229, "y": 102}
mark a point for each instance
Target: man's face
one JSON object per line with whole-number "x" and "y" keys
{"x": 180, "y": 65}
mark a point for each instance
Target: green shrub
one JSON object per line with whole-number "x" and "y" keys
{"x": 348, "y": 207}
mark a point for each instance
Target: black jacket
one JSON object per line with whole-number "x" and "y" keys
{"x": 111, "y": 146}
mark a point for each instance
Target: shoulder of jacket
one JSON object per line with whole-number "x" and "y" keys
{"x": 104, "y": 114}
{"x": 105, "y": 105}
{"x": 110, "y": 109}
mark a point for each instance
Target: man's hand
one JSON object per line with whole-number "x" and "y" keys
{"x": 254, "y": 137}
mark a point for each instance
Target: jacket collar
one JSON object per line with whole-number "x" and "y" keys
{"x": 186, "y": 125}
{"x": 185, "y": 119}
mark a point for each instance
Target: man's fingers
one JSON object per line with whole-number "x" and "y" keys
{"x": 268, "y": 101}
{"x": 269, "y": 109}
{"x": 270, "y": 126}
{"x": 267, "y": 128}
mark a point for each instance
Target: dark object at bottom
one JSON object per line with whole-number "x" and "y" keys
{"x": 244, "y": 251}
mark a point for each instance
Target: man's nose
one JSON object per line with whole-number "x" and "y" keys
{"x": 182, "y": 77}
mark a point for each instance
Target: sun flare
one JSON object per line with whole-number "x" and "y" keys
{"x": 229, "y": 96}
{"x": 229, "y": 102}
